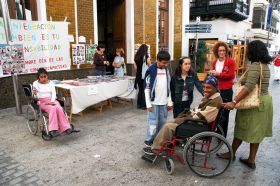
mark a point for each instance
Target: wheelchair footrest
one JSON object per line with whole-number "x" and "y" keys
{"x": 75, "y": 130}
{"x": 149, "y": 158}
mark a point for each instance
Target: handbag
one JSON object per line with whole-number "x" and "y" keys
{"x": 253, "y": 99}
{"x": 144, "y": 67}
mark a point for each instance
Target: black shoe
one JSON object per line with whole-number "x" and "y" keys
{"x": 148, "y": 150}
{"x": 148, "y": 143}
{"x": 149, "y": 158}
{"x": 54, "y": 133}
{"x": 68, "y": 131}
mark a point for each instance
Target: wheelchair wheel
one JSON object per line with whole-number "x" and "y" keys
{"x": 216, "y": 143}
{"x": 45, "y": 136}
{"x": 169, "y": 166}
{"x": 32, "y": 119}
{"x": 206, "y": 164}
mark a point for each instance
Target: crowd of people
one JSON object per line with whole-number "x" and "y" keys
{"x": 160, "y": 92}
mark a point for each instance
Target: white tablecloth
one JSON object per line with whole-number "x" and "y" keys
{"x": 87, "y": 95}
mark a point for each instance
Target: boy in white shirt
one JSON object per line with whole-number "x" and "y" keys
{"x": 157, "y": 95}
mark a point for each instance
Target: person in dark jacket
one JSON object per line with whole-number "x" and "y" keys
{"x": 99, "y": 61}
{"x": 141, "y": 57}
{"x": 182, "y": 86}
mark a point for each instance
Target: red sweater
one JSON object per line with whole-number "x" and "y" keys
{"x": 227, "y": 75}
{"x": 277, "y": 61}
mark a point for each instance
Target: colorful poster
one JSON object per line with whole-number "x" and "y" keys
{"x": 44, "y": 44}
{"x": 11, "y": 60}
{"x": 90, "y": 50}
{"x": 78, "y": 54}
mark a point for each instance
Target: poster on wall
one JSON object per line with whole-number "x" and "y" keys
{"x": 36, "y": 44}
{"x": 78, "y": 54}
{"x": 90, "y": 50}
{"x": 11, "y": 60}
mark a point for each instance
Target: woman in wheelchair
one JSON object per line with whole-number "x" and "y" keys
{"x": 207, "y": 111}
{"x": 44, "y": 90}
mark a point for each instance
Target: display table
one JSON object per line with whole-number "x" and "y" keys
{"x": 90, "y": 91}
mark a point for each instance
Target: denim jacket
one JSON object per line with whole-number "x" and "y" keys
{"x": 177, "y": 84}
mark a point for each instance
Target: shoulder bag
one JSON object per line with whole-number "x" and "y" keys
{"x": 144, "y": 67}
{"x": 253, "y": 99}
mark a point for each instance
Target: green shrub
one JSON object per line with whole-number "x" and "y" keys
{"x": 201, "y": 58}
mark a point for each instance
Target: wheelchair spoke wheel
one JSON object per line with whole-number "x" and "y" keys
{"x": 169, "y": 166}
{"x": 32, "y": 120}
{"x": 206, "y": 163}
{"x": 216, "y": 143}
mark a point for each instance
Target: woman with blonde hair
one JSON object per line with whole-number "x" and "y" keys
{"x": 118, "y": 63}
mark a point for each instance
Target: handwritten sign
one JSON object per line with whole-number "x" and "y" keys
{"x": 45, "y": 44}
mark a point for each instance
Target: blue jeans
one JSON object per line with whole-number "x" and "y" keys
{"x": 155, "y": 121}
{"x": 99, "y": 72}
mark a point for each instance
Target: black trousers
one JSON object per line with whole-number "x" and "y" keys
{"x": 141, "y": 102}
{"x": 180, "y": 107}
{"x": 227, "y": 97}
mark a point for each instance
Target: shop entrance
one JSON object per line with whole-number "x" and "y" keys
{"x": 111, "y": 25}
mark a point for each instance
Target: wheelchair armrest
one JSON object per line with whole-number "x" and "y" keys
{"x": 191, "y": 127}
{"x": 196, "y": 121}
{"x": 61, "y": 101}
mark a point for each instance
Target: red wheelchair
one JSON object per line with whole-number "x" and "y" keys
{"x": 200, "y": 142}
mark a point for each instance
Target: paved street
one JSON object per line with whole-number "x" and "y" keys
{"x": 108, "y": 151}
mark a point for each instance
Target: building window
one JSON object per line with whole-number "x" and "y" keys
{"x": 23, "y": 9}
{"x": 163, "y": 24}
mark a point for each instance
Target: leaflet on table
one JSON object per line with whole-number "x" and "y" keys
{"x": 75, "y": 83}
{"x": 92, "y": 89}
{"x": 130, "y": 86}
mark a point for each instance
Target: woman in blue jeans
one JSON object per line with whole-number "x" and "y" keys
{"x": 182, "y": 86}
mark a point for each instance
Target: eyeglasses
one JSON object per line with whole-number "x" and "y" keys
{"x": 221, "y": 50}
{"x": 41, "y": 77}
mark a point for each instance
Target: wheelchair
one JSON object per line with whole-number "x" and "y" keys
{"x": 37, "y": 119}
{"x": 199, "y": 142}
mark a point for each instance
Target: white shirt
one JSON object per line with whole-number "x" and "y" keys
{"x": 220, "y": 66}
{"x": 160, "y": 90}
{"x": 45, "y": 90}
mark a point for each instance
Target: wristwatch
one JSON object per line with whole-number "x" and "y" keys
{"x": 234, "y": 101}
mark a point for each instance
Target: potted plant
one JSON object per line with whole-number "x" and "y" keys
{"x": 201, "y": 59}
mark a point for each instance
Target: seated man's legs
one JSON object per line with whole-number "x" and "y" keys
{"x": 166, "y": 133}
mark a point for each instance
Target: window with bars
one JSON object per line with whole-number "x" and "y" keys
{"x": 163, "y": 24}
{"x": 23, "y": 9}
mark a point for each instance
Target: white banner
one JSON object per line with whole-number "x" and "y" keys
{"x": 45, "y": 44}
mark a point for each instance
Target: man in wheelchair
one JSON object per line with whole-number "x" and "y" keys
{"x": 207, "y": 111}
{"x": 44, "y": 90}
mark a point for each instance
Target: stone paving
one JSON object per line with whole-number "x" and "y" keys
{"x": 108, "y": 151}
{"x": 13, "y": 173}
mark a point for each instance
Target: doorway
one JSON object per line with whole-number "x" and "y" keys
{"x": 111, "y": 26}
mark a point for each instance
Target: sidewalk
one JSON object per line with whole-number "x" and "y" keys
{"x": 108, "y": 151}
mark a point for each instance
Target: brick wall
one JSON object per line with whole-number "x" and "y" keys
{"x": 85, "y": 19}
{"x": 150, "y": 24}
{"x": 58, "y": 10}
{"x": 177, "y": 29}
{"x": 138, "y": 21}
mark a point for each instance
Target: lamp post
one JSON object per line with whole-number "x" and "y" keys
{"x": 7, "y": 27}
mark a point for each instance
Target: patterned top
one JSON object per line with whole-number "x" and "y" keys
{"x": 252, "y": 77}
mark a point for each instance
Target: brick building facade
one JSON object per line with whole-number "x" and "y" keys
{"x": 145, "y": 23}
{"x": 139, "y": 23}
